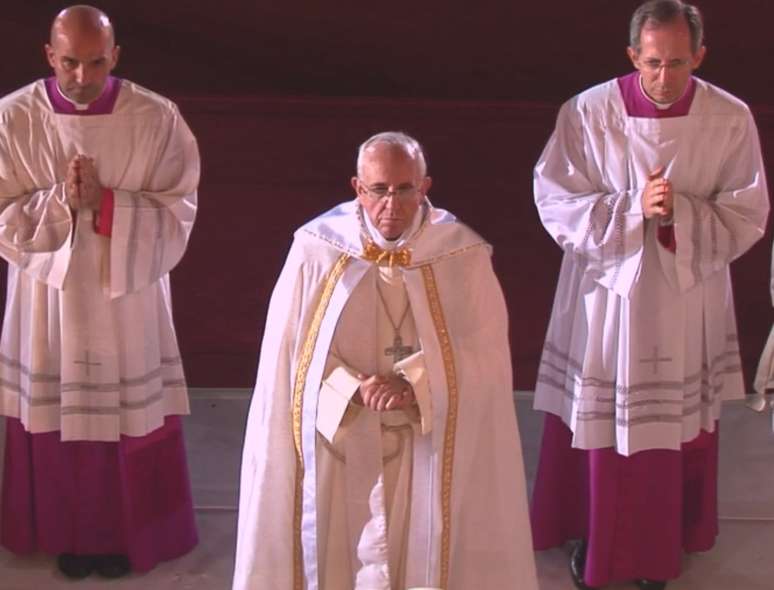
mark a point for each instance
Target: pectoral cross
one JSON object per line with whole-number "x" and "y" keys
{"x": 655, "y": 359}
{"x": 397, "y": 351}
{"x": 87, "y": 364}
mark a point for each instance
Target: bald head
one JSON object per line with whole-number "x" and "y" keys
{"x": 82, "y": 20}
{"x": 82, "y": 52}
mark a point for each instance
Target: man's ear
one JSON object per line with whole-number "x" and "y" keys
{"x": 116, "y": 53}
{"x": 50, "y": 55}
{"x": 633, "y": 56}
{"x": 698, "y": 57}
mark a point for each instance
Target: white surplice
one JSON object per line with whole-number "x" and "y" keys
{"x": 642, "y": 343}
{"x": 375, "y": 510}
{"x": 88, "y": 345}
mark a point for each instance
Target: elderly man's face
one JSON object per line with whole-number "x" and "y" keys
{"x": 389, "y": 169}
{"x": 82, "y": 62}
{"x": 665, "y": 60}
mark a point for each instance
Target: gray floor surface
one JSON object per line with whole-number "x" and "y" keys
{"x": 743, "y": 558}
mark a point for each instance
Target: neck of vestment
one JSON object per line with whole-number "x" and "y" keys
{"x": 371, "y": 232}
{"x": 638, "y": 104}
{"x": 102, "y": 105}
{"x": 434, "y": 234}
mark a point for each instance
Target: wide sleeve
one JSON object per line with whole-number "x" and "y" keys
{"x": 151, "y": 226}
{"x": 35, "y": 222}
{"x": 714, "y": 229}
{"x": 336, "y": 391}
{"x": 588, "y": 217}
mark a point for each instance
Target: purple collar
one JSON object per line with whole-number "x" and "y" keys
{"x": 638, "y": 105}
{"x": 102, "y": 105}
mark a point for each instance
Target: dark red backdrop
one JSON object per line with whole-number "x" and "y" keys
{"x": 280, "y": 94}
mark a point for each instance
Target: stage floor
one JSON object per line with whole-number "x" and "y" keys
{"x": 741, "y": 559}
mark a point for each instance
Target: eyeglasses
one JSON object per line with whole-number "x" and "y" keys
{"x": 379, "y": 192}
{"x": 654, "y": 65}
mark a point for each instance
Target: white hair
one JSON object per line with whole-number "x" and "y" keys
{"x": 397, "y": 138}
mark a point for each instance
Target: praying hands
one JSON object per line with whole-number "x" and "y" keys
{"x": 82, "y": 187}
{"x": 657, "y": 198}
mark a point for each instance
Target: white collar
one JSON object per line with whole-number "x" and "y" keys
{"x": 383, "y": 242}
{"x": 662, "y": 106}
{"x": 79, "y": 106}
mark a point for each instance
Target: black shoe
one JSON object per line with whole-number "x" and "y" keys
{"x": 74, "y": 566}
{"x": 650, "y": 584}
{"x": 578, "y": 565}
{"x": 112, "y": 566}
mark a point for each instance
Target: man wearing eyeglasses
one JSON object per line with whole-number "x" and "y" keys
{"x": 652, "y": 184}
{"x": 382, "y": 450}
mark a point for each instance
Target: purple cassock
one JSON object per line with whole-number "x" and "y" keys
{"x": 638, "y": 513}
{"x": 131, "y": 497}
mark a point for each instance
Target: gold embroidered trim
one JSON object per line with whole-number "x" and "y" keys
{"x": 304, "y": 362}
{"x": 451, "y": 417}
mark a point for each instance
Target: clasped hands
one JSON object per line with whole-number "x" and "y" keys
{"x": 658, "y": 198}
{"x": 82, "y": 187}
{"x": 384, "y": 392}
